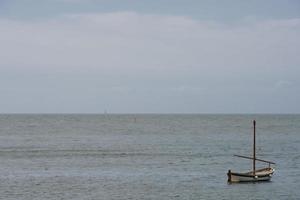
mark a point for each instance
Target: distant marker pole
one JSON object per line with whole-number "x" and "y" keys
{"x": 254, "y": 124}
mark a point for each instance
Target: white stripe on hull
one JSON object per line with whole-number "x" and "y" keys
{"x": 235, "y": 178}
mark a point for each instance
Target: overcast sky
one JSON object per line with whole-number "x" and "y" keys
{"x": 158, "y": 56}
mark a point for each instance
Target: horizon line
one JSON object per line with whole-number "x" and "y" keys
{"x": 142, "y": 113}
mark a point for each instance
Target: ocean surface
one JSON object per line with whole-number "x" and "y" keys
{"x": 144, "y": 156}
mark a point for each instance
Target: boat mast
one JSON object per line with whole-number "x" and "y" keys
{"x": 254, "y": 158}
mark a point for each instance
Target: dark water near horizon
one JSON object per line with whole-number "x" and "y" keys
{"x": 144, "y": 156}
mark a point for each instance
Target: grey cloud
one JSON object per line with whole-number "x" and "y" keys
{"x": 134, "y": 57}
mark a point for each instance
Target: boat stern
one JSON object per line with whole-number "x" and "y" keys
{"x": 229, "y": 176}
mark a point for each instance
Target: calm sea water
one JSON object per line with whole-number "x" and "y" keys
{"x": 144, "y": 156}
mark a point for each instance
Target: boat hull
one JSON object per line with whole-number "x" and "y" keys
{"x": 264, "y": 174}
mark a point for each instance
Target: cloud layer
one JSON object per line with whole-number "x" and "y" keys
{"x": 192, "y": 65}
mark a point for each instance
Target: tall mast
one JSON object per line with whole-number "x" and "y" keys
{"x": 254, "y": 158}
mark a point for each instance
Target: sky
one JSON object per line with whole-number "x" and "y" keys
{"x": 158, "y": 56}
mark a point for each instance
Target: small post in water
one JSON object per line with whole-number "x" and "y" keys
{"x": 254, "y": 123}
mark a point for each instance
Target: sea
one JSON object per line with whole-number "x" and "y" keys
{"x": 145, "y": 156}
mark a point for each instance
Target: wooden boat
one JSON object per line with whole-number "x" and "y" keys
{"x": 264, "y": 174}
